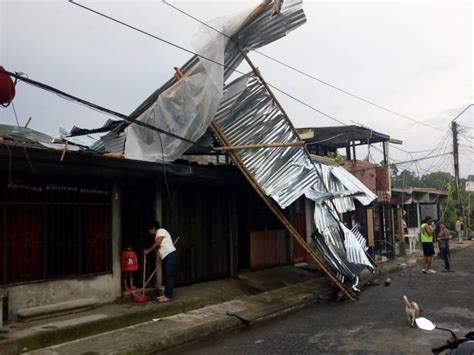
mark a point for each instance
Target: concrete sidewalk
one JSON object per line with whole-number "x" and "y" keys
{"x": 161, "y": 334}
{"x": 199, "y": 310}
{"x": 19, "y": 337}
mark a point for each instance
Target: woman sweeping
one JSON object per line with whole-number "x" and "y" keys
{"x": 168, "y": 255}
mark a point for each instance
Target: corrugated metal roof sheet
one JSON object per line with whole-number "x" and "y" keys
{"x": 343, "y": 204}
{"x": 262, "y": 30}
{"x": 106, "y": 127}
{"x": 113, "y": 142}
{"x": 354, "y": 185}
{"x": 248, "y": 115}
{"x": 24, "y": 134}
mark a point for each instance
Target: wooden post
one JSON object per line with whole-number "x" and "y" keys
{"x": 64, "y": 152}
{"x": 401, "y": 231}
{"x": 264, "y": 83}
{"x": 392, "y": 223}
{"x": 28, "y": 122}
{"x": 260, "y": 146}
{"x": 262, "y": 80}
{"x": 158, "y": 201}
{"x": 277, "y": 212}
{"x": 468, "y": 224}
{"x": 370, "y": 227}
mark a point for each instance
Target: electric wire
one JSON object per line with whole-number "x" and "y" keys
{"x": 221, "y": 64}
{"x": 102, "y": 109}
{"x": 206, "y": 58}
{"x": 435, "y": 149}
{"x": 443, "y": 147}
{"x": 411, "y": 152}
{"x": 164, "y": 168}
{"x": 403, "y": 162}
{"x": 310, "y": 76}
{"x": 459, "y": 115}
{"x": 436, "y": 165}
{"x": 466, "y": 136}
{"x": 325, "y": 140}
{"x": 18, "y": 124}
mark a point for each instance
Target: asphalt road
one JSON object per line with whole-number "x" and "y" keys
{"x": 375, "y": 324}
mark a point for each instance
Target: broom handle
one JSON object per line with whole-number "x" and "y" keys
{"x": 151, "y": 276}
{"x": 156, "y": 269}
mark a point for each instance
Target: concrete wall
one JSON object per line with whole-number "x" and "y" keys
{"x": 101, "y": 287}
{"x": 105, "y": 287}
{"x": 364, "y": 171}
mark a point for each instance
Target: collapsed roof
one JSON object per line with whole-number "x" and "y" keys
{"x": 245, "y": 112}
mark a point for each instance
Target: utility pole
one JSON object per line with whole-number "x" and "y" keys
{"x": 454, "y": 128}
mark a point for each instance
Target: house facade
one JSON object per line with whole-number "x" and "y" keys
{"x": 65, "y": 223}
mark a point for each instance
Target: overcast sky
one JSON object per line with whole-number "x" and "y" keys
{"x": 415, "y": 58}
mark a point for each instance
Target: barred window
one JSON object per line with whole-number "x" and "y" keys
{"x": 53, "y": 230}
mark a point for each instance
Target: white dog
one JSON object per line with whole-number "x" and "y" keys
{"x": 412, "y": 310}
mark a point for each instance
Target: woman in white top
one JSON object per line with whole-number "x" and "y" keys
{"x": 168, "y": 255}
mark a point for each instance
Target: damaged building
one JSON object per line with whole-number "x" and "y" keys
{"x": 215, "y": 158}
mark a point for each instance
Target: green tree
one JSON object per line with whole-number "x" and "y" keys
{"x": 448, "y": 210}
{"x": 437, "y": 180}
{"x": 405, "y": 178}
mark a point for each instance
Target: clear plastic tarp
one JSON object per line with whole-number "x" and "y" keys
{"x": 187, "y": 107}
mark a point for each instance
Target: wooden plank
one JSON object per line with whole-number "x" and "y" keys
{"x": 370, "y": 227}
{"x": 260, "y": 146}
{"x": 301, "y": 241}
{"x": 278, "y": 213}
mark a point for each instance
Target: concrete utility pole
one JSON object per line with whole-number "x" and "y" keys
{"x": 454, "y": 128}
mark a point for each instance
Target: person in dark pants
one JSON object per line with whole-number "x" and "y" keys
{"x": 443, "y": 240}
{"x": 168, "y": 255}
{"x": 426, "y": 236}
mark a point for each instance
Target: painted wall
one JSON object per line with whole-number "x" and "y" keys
{"x": 105, "y": 288}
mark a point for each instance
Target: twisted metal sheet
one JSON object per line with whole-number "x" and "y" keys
{"x": 248, "y": 115}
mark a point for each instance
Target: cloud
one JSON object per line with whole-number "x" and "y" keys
{"x": 414, "y": 58}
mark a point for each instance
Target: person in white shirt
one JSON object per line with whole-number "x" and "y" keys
{"x": 460, "y": 229}
{"x": 168, "y": 255}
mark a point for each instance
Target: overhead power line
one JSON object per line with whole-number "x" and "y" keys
{"x": 360, "y": 98}
{"x": 96, "y": 107}
{"x": 455, "y": 118}
{"x": 99, "y": 108}
{"x": 410, "y": 152}
{"x": 204, "y": 57}
{"x": 402, "y": 162}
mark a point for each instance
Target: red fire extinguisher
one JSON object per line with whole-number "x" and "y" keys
{"x": 7, "y": 88}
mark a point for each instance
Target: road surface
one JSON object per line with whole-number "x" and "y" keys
{"x": 375, "y": 324}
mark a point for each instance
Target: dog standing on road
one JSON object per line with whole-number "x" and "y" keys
{"x": 412, "y": 310}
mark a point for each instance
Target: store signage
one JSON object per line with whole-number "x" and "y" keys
{"x": 470, "y": 186}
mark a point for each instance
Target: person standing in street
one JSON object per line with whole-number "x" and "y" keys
{"x": 443, "y": 240}
{"x": 426, "y": 236}
{"x": 168, "y": 255}
{"x": 460, "y": 230}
